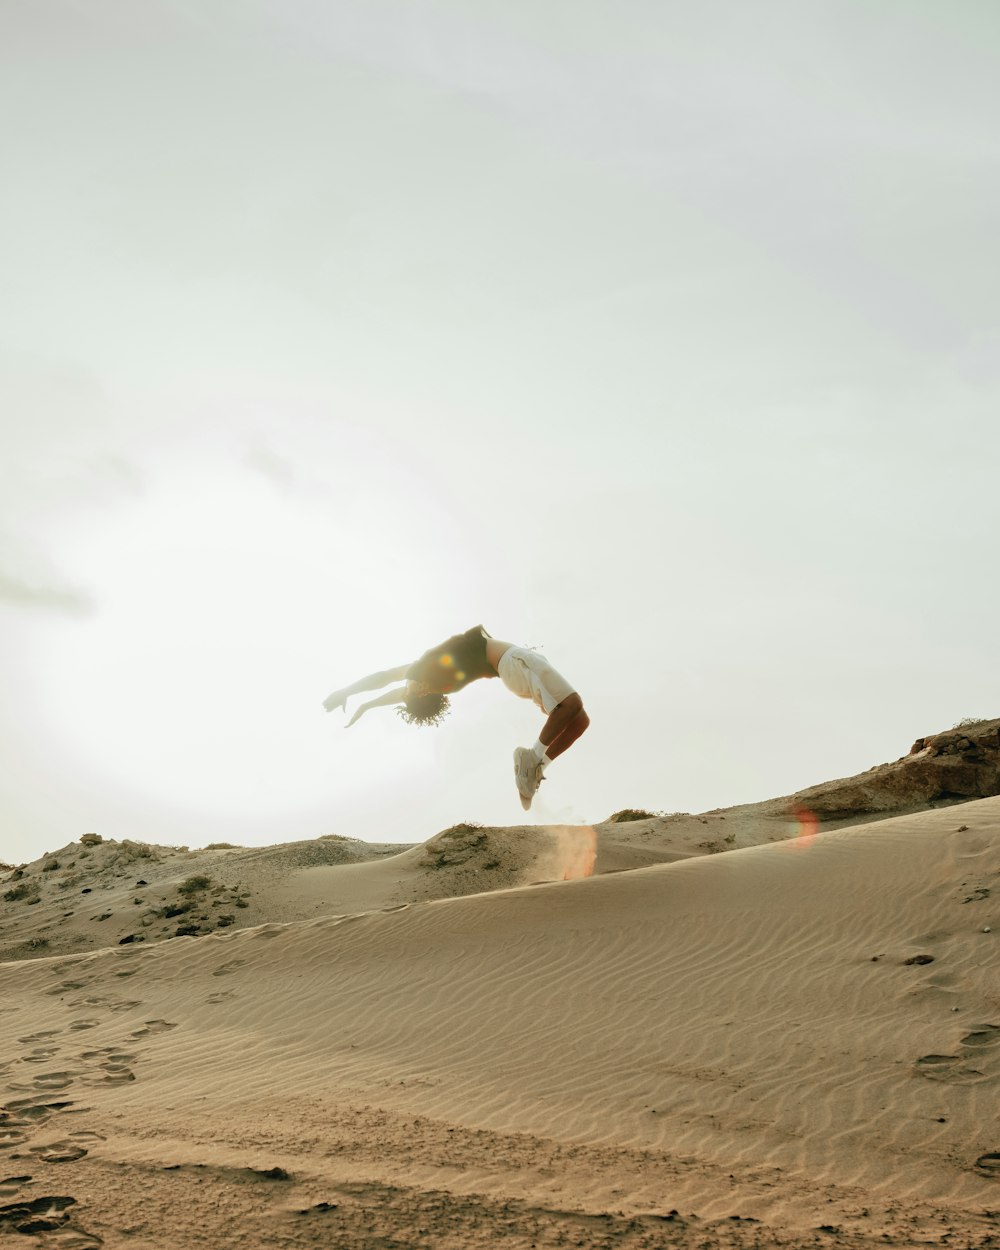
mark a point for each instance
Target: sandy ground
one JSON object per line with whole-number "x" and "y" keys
{"x": 668, "y": 1032}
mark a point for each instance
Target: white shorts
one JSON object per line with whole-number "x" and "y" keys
{"x": 530, "y": 676}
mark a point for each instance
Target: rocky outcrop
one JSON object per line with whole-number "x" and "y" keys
{"x": 950, "y": 767}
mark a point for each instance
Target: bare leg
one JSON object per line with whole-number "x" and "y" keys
{"x": 566, "y": 723}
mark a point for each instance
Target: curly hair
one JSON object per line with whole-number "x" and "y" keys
{"x": 427, "y": 708}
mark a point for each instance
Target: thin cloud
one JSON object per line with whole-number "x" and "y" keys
{"x": 65, "y": 599}
{"x": 278, "y": 470}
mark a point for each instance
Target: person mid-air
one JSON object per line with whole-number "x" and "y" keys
{"x": 466, "y": 657}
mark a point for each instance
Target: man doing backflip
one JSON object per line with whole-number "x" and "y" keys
{"x": 467, "y": 657}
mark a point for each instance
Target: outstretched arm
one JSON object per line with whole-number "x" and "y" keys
{"x": 375, "y": 681}
{"x": 397, "y": 695}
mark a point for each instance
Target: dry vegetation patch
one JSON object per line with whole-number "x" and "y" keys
{"x": 24, "y": 892}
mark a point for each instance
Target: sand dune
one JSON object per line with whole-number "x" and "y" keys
{"x": 794, "y": 1043}
{"x": 98, "y": 894}
{"x": 84, "y": 897}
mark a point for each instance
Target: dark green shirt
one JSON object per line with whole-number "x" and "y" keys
{"x": 453, "y": 664}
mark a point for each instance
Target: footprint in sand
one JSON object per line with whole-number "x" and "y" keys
{"x": 66, "y": 987}
{"x": 28, "y": 1112}
{"x": 39, "y": 1037}
{"x": 153, "y": 1026}
{"x": 59, "y": 1152}
{"x": 225, "y": 969}
{"x": 78, "y": 1026}
{"x": 957, "y": 1068}
{"x": 50, "y": 1215}
{"x": 10, "y": 1137}
{"x": 222, "y": 997}
{"x": 108, "y": 1067}
{"x": 948, "y": 1068}
{"x": 112, "y": 1004}
{"x": 989, "y": 1163}
{"x": 11, "y": 1184}
{"x": 54, "y": 1080}
{"x": 983, "y": 1035}
{"x": 36, "y": 1215}
{"x": 114, "y": 1074}
{"x": 41, "y": 1054}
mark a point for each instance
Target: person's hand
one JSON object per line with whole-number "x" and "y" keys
{"x": 337, "y": 699}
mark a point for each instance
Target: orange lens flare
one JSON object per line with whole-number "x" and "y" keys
{"x": 808, "y": 827}
{"x": 578, "y": 847}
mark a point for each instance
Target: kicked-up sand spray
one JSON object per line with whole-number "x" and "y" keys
{"x": 573, "y": 853}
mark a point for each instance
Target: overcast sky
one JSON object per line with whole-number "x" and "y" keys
{"x": 663, "y": 336}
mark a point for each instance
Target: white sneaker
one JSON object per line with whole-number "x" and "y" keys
{"x": 527, "y": 775}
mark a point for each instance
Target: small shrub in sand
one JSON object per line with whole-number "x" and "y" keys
{"x": 174, "y": 909}
{"x": 26, "y": 892}
{"x": 223, "y": 846}
{"x": 129, "y": 850}
{"x": 968, "y": 721}
{"x": 629, "y": 813}
{"x": 456, "y": 831}
{"x": 455, "y": 846}
{"x": 194, "y": 885}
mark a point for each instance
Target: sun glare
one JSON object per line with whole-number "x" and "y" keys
{"x": 199, "y": 677}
